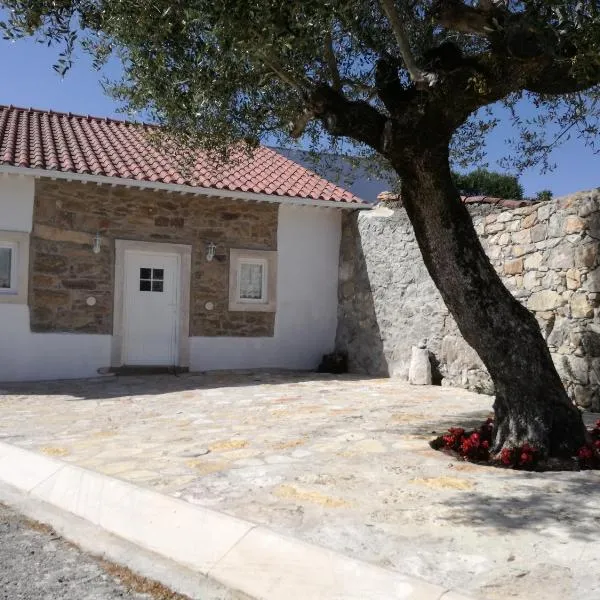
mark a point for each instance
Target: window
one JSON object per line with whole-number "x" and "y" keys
{"x": 252, "y": 280}
{"x": 151, "y": 280}
{"x": 14, "y": 257}
{"x": 8, "y": 267}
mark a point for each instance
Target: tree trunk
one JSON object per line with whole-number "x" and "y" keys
{"x": 531, "y": 403}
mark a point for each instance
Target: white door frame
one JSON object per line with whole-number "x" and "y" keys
{"x": 185, "y": 255}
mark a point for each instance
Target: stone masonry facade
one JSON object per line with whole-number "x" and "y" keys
{"x": 64, "y": 271}
{"x": 547, "y": 255}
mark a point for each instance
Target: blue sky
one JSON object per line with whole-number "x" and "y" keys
{"x": 29, "y": 80}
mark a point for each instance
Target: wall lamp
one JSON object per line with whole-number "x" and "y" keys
{"x": 211, "y": 248}
{"x": 97, "y": 243}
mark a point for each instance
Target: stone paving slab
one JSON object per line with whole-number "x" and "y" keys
{"x": 342, "y": 462}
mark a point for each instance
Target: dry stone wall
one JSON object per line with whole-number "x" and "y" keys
{"x": 547, "y": 255}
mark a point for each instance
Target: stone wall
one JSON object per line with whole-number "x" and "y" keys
{"x": 64, "y": 271}
{"x": 546, "y": 253}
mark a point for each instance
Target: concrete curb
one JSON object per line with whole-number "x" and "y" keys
{"x": 238, "y": 554}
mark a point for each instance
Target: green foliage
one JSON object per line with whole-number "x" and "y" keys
{"x": 488, "y": 183}
{"x": 544, "y": 195}
{"x": 214, "y": 72}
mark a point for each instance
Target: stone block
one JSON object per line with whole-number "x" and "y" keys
{"x": 555, "y": 225}
{"x": 544, "y": 300}
{"x": 52, "y": 298}
{"x": 513, "y": 267}
{"x": 561, "y": 257}
{"x": 539, "y": 232}
{"x": 592, "y": 282}
{"x": 494, "y": 228}
{"x": 530, "y": 280}
{"x": 545, "y": 210}
{"x": 419, "y": 372}
{"x": 48, "y": 263}
{"x": 534, "y": 261}
{"x": 504, "y": 239}
{"x": 522, "y": 237}
{"x": 574, "y": 224}
{"x": 585, "y": 256}
{"x": 504, "y": 216}
{"x": 573, "y": 279}
{"x": 55, "y": 234}
{"x": 571, "y": 368}
{"x": 458, "y": 355}
{"x": 514, "y": 225}
{"x": 580, "y": 307}
{"x": 522, "y": 250}
{"x": 583, "y": 396}
{"x": 589, "y": 205}
{"x": 529, "y": 220}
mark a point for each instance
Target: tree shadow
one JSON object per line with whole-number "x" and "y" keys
{"x": 107, "y": 388}
{"x": 559, "y": 505}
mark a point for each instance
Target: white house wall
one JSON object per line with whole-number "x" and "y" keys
{"x": 30, "y": 356}
{"x": 308, "y": 242}
{"x": 16, "y": 203}
{"x": 305, "y": 322}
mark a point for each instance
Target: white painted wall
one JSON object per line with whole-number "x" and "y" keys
{"x": 305, "y": 322}
{"x": 26, "y": 356}
{"x": 30, "y": 356}
{"x": 308, "y": 241}
{"x": 16, "y": 203}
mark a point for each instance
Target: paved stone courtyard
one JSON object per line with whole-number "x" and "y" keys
{"x": 338, "y": 461}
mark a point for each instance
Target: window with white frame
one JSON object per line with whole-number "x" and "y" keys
{"x": 252, "y": 280}
{"x": 14, "y": 253}
{"x": 8, "y": 267}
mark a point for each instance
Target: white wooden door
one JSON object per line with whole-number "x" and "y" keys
{"x": 151, "y": 308}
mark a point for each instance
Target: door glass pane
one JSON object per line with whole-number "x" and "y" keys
{"x": 251, "y": 281}
{"x": 5, "y": 267}
{"x": 151, "y": 280}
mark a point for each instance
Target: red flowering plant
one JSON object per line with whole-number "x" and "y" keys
{"x": 474, "y": 446}
{"x": 588, "y": 456}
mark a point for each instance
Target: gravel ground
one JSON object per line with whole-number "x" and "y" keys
{"x": 36, "y": 564}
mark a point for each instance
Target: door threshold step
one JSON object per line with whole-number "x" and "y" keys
{"x": 148, "y": 370}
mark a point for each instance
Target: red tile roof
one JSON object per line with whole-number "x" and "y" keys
{"x": 55, "y": 141}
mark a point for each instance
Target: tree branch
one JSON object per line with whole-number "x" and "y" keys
{"x": 346, "y": 118}
{"x": 300, "y": 85}
{"x": 556, "y": 78}
{"x": 389, "y": 88}
{"x": 420, "y": 78}
{"x": 332, "y": 63}
{"x": 457, "y": 16}
{"x": 490, "y": 5}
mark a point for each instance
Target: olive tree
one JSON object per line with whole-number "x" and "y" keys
{"x": 409, "y": 80}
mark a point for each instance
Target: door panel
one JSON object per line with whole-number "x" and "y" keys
{"x": 151, "y": 308}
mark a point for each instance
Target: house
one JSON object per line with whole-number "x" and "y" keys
{"x": 112, "y": 255}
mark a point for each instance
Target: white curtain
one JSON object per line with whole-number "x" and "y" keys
{"x": 5, "y": 264}
{"x": 251, "y": 281}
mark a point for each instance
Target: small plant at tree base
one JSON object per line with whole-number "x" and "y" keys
{"x": 475, "y": 445}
